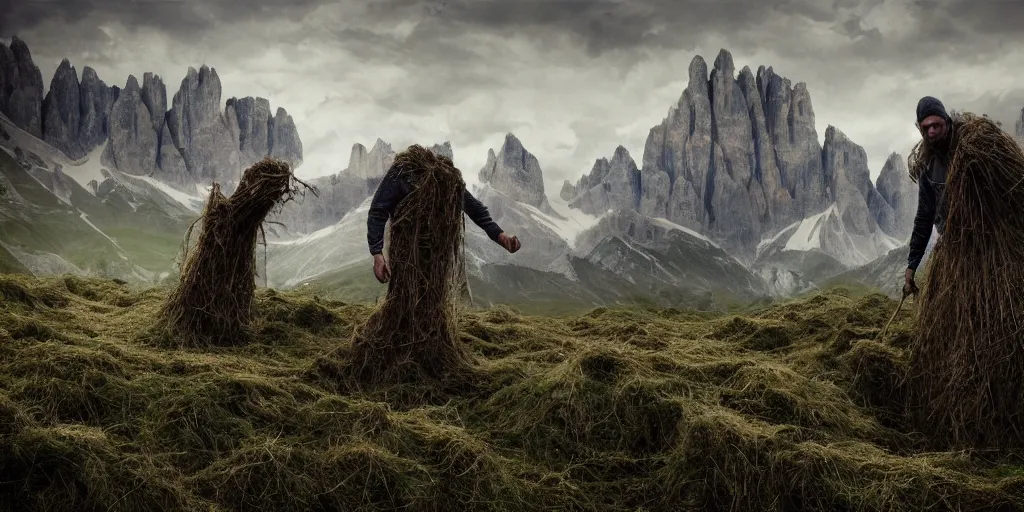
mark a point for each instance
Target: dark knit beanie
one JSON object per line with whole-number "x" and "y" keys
{"x": 929, "y": 106}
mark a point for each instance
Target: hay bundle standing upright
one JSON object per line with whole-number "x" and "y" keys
{"x": 966, "y": 380}
{"x": 414, "y": 331}
{"x": 212, "y": 304}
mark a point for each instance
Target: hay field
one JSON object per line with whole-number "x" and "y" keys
{"x": 792, "y": 407}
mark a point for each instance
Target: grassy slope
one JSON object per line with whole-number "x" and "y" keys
{"x": 885, "y": 273}
{"x": 815, "y": 266}
{"x": 536, "y": 292}
{"x": 50, "y": 225}
{"x": 531, "y": 291}
{"x": 789, "y": 408}
{"x": 149, "y": 236}
{"x": 148, "y": 233}
{"x": 9, "y": 264}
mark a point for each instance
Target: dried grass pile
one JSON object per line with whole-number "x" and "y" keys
{"x": 212, "y": 303}
{"x": 966, "y": 379}
{"x": 568, "y": 413}
{"x": 413, "y": 333}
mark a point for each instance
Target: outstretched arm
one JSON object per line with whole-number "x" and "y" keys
{"x": 480, "y": 215}
{"x": 923, "y": 222}
{"x": 388, "y": 194}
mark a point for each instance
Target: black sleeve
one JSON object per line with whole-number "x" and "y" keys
{"x": 387, "y": 196}
{"x": 480, "y": 215}
{"x": 923, "y": 222}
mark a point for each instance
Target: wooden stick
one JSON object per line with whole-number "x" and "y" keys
{"x": 893, "y": 317}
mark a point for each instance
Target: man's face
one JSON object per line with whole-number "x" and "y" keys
{"x": 934, "y": 128}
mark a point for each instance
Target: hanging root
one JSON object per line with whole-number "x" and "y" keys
{"x": 966, "y": 379}
{"x": 212, "y": 304}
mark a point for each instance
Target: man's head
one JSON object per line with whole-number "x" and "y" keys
{"x": 932, "y": 119}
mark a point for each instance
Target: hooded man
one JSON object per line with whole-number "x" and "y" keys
{"x": 928, "y": 170}
{"x": 389, "y": 194}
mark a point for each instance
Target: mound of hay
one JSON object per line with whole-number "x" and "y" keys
{"x": 212, "y": 304}
{"x": 966, "y": 379}
{"x": 413, "y": 333}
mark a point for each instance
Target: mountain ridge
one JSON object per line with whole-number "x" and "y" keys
{"x": 192, "y": 140}
{"x": 733, "y": 191}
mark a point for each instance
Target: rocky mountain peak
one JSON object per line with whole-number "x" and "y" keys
{"x": 847, "y": 179}
{"x": 621, "y": 156}
{"x": 154, "y": 97}
{"x": 253, "y": 116}
{"x": 724, "y": 63}
{"x": 737, "y": 158}
{"x": 444, "y": 149}
{"x": 132, "y": 84}
{"x": 843, "y": 159}
{"x": 195, "y": 141}
{"x": 614, "y": 184}
{"x": 568, "y": 191}
{"x": 372, "y": 164}
{"x": 61, "y": 111}
{"x": 133, "y": 144}
{"x": 900, "y": 194}
{"x": 515, "y": 172}
{"x": 698, "y": 73}
{"x": 285, "y": 143}
{"x": 96, "y": 99}
{"x": 21, "y": 87}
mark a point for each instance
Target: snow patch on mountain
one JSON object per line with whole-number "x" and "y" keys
{"x": 768, "y": 242}
{"x": 667, "y": 224}
{"x": 575, "y": 220}
{"x": 808, "y": 234}
{"x": 292, "y": 261}
{"x": 89, "y": 170}
{"x": 188, "y": 201}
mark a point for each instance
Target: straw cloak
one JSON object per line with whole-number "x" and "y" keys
{"x": 966, "y": 378}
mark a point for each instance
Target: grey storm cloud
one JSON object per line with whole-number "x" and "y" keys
{"x": 601, "y": 25}
{"x": 572, "y": 78}
{"x": 176, "y": 16}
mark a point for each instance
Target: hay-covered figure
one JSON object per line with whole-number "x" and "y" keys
{"x": 394, "y": 188}
{"x": 966, "y": 381}
{"x": 213, "y": 301}
{"x": 414, "y": 332}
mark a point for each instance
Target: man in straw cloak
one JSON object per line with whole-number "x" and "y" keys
{"x": 964, "y": 382}
{"x": 390, "y": 193}
{"x": 930, "y": 174}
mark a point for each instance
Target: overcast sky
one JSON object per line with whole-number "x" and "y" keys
{"x": 572, "y": 79}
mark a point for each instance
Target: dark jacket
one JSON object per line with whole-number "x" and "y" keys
{"x": 392, "y": 190}
{"x": 931, "y": 208}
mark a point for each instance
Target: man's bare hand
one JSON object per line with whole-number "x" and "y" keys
{"x": 909, "y": 286}
{"x": 381, "y": 269}
{"x": 510, "y": 243}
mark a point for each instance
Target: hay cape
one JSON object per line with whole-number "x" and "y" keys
{"x": 212, "y": 304}
{"x": 966, "y": 378}
{"x": 413, "y": 334}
